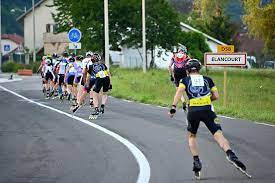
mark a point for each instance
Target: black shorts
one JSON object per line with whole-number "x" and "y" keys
{"x": 90, "y": 86}
{"x": 207, "y": 116}
{"x": 70, "y": 80}
{"x": 55, "y": 79}
{"x": 102, "y": 83}
{"x": 77, "y": 79}
{"x": 179, "y": 74}
{"x": 48, "y": 76}
{"x": 61, "y": 79}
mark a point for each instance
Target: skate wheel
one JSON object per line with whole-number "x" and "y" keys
{"x": 93, "y": 117}
{"x": 198, "y": 175}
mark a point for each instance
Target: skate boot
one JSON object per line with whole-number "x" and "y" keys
{"x": 197, "y": 168}
{"x": 75, "y": 108}
{"x": 48, "y": 94}
{"x": 69, "y": 97}
{"x": 102, "y": 109}
{"x": 94, "y": 114}
{"x": 234, "y": 160}
{"x": 61, "y": 97}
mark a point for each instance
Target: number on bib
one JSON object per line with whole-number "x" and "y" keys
{"x": 197, "y": 80}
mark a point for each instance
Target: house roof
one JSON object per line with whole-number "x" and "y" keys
{"x": 14, "y": 37}
{"x": 30, "y": 10}
{"x": 205, "y": 35}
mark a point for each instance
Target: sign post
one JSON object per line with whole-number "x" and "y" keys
{"x": 74, "y": 36}
{"x": 225, "y": 60}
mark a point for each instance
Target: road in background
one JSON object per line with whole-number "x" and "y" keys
{"x": 39, "y": 145}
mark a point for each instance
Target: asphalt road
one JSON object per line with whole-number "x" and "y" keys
{"x": 41, "y": 145}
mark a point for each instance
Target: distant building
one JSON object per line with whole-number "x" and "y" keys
{"x": 45, "y": 28}
{"x": 11, "y": 43}
{"x": 131, "y": 57}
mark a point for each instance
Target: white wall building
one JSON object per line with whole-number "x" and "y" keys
{"x": 10, "y": 43}
{"x": 132, "y": 58}
{"x": 43, "y": 23}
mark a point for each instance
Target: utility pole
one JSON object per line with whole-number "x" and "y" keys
{"x": 143, "y": 37}
{"x": 0, "y": 36}
{"x": 106, "y": 32}
{"x": 33, "y": 25}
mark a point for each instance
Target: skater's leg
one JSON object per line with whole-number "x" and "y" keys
{"x": 193, "y": 146}
{"x": 222, "y": 141}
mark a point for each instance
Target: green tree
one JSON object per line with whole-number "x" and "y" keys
{"x": 261, "y": 23}
{"x": 162, "y": 22}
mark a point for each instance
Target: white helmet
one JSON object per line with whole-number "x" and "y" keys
{"x": 48, "y": 61}
{"x": 89, "y": 53}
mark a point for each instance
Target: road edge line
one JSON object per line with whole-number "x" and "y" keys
{"x": 144, "y": 166}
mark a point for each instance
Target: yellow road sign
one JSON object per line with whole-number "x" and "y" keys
{"x": 225, "y": 48}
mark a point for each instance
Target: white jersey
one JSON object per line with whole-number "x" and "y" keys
{"x": 48, "y": 69}
{"x": 85, "y": 61}
{"x": 62, "y": 67}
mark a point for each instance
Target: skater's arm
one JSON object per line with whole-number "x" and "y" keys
{"x": 214, "y": 95}
{"x": 178, "y": 95}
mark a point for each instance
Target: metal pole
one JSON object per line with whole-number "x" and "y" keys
{"x": 143, "y": 37}
{"x": 0, "y": 36}
{"x": 106, "y": 26}
{"x": 33, "y": 24}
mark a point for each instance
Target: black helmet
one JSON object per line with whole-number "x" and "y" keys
{"x": 65, "y": 54}
{"x": 54, "y": 55}
{"x": 79, "y": 57}
{"x": 193, "y": 65}
{"x": 96, "y": 57}
{"x": 71, "y": 59}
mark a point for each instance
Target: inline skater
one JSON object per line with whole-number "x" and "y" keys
{"x": 49, "y": 77}
{"x": 86, "y": 61}
{"x": 89, "y": 79}
{"x": 102, "y": 81}
{"x": 177, "y": 68}
{"x": 70, "y": 75}
{"x": 78, "y": 76}
{"x": 41, "y": 70}
{"x": 201, "y": 91}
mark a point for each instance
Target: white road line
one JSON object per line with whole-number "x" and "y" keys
{"x": 264, "y": 124}
{"x": 5, "y": 80}
{"x": 144, "y": 167}
{"x": 226, "y": 117}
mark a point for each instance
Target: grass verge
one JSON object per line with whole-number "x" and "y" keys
{"x": 251, "y": 93}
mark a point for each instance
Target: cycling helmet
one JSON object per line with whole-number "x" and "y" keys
{"x": 54, "y": 55}
{"x": 65, "y": 54}
{"x": 89, "y": 53}
{"x": 193, "y": 65}
{"x": 48, "y": 61}
{"x": 182, "y": 49}
{"x": 71, "y": 59}
{"x": 44, "y": 57}
{"x": 73, "y": 55}
{"x": 96, "y": 57}
{"x": 79, "y": 57}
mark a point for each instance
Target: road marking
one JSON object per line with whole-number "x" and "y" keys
{"x": 226, "y": 117}
{"x": 264, "y": 124}
{"x": 5, "y": 80}
{"x": 144, "y": 167}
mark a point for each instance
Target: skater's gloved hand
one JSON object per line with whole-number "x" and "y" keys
{"x": 172, "y": 111}
{"x": 172, "y": 78}
{"x": 110, "y": 87}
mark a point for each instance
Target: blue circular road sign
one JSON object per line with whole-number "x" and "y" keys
{"x": 74, "y": 35}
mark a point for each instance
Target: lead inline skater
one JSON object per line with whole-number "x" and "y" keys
{"x": 201, "y": 91}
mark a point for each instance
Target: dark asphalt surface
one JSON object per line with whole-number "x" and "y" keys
{"x": 40, "y": 145}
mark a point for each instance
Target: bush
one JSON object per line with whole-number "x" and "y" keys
{"x": 11, "y": 66}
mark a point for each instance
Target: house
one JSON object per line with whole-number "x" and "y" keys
{"x": 11, "y": 43}
{"x": 45, "y": 28}
{"x": 131, "y": 57}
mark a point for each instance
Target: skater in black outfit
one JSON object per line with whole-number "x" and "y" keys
{"x": 201, "y": 91}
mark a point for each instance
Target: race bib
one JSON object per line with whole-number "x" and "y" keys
{"x": 197, "y": 80}
{"x": 101, "y": 74}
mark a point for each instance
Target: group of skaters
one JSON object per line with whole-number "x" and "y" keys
{"x": 73, "y": 77}
{"x": 197, "y": 93}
